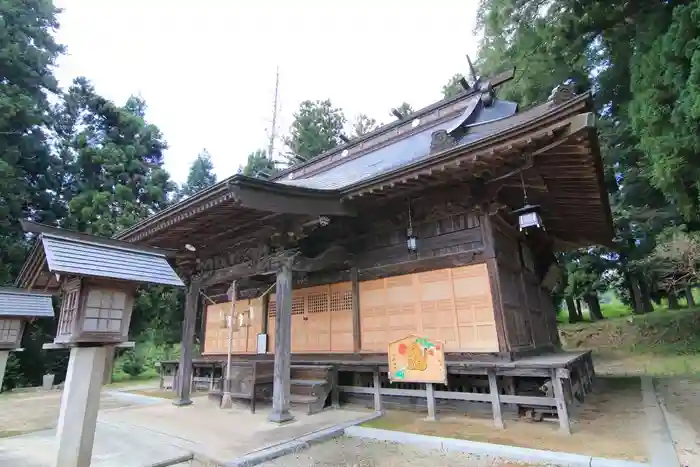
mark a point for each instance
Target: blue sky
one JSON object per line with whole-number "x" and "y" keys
{"x": 207, "y": 68}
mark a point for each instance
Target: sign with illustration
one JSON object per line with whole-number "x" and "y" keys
{"x": 415, "y": 359}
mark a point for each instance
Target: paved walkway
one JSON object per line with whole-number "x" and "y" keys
{"x": 155, "y": 430}
{"x": 661, "y": 448}
{"x": 355, "y": 452}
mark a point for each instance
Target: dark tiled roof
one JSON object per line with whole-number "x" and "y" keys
{"x": 403, "y": 151}
{"x": 18, "y": 302}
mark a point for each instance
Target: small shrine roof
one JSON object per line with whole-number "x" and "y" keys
{"x": 65, "y": 252}
{"x": 23, "y": 303}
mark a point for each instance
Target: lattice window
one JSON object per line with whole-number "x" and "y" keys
{"x": 297, "y": 305}
{"x": 9, "y": 330}
{"x": 317, "y": 303}
{"x": 271, "y": 309}
{"x": 104, "y": 311}
{"x": 341, "y": 301}
{"x": 69, "y": 311}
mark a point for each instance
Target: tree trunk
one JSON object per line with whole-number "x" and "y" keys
{"x": 594, "y": 307}
{"x": 579, "y": 314}
{"x": 689, "y": 297}
{"x": 645, "y": 296}
{"x": 673, "y": 300}
{"x": 573, "y": 313}
{"x": 638, "y": 303}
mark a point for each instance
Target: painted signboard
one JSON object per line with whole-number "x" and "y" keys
{"x": 415, "y": 359}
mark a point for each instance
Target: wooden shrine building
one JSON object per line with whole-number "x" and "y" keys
{"x": 414, "y": 228}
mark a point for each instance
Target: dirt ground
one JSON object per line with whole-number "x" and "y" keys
{"x": 26, "y": 412}
{"x": 681, "y": 399}
{"x": 609, "y": 424}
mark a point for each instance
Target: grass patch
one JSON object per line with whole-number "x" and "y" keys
{"x": 153, "y": 393}
{"x": 129, "y": 381}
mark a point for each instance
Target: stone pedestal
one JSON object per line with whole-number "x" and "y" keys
{"x": 4, "y": 354}
{"x": 79, "y": 405}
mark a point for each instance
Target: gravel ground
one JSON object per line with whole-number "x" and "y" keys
{"x": 356, "y": 452}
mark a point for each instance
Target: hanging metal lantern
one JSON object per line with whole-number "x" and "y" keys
{"x": 411, "y": 240}
{"x": 529, "y": 217}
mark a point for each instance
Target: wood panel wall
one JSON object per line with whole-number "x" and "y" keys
{"x": 321, "y": 319}
{"x": 529, "y": 317}
{"x": 244, "y": 339}
{"x": 451, "y": 305}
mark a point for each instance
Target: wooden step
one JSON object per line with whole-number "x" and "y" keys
{"x": 312, "y": 367}
{"x": 309, "y": 382}
{"x": 301, "y": 399}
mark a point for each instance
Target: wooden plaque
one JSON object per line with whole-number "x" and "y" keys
{"x": 415, "y": 359}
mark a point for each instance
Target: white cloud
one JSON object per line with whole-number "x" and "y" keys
{"x": 207, "y": 68}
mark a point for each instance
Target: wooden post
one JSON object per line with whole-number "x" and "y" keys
{"x": 495, "y": 400}
{"x": 377, "y": 391}
{"x": 430, "y": 393}
{"x": 335, "y": 389}
{"x": 283, "y": 347}
{"x": 184, "y": 380}
{"x": 356, "y": 331}
{"x": 264, "y": 313}
{"x": 562, "y": 409}
{"x": 226, "y": 399}
{"x": 509, "y": 382}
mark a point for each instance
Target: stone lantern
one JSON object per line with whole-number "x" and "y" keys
{"x": 97, "y": 280}
{"x": 17, "y": 307}
{"x": 94, "y": 311}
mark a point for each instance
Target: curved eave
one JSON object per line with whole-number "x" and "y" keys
{"x": 238, "y": 196}
{"x": 515, "y": 136}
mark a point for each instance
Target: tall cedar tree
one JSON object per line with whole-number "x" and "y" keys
{"x": 201, "y": 175}
{"x": 317, "y": 128}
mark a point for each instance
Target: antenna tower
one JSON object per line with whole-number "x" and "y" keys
{"x": 273, "y": 131}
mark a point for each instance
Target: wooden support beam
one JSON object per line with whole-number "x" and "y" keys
{"x": 356, "y": 331}
{"x": 183, "y": 385}
{"x": 270, "y": 263}
{"x": 562, "y": 408}
{"x": 495, "y": 400}
{"x": 283, "y": 347}
{"x": 430, "y": 392}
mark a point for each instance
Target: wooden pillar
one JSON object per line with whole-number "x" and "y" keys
{"x": 283, "y": 347}
{"x": 377, "y": 391}
{"x": 562, "y": 408}
{"x": 495, "y": 400}
{"x": 184, "y": 380}
{"x": 356, "y": 332}
{"x": 335, "y": 389}
{"x": 264, "y": 313}
{"x": 430, "y": 394}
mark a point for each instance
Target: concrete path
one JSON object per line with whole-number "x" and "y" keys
{"x": 150, "y": 430}
{"x": 357, "y": 452}
{"x": 661, "y": 448}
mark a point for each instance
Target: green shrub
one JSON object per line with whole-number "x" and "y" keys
{"x": 133, "y": 363}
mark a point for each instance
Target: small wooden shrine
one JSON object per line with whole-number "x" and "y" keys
{"x": 442, "y": 224}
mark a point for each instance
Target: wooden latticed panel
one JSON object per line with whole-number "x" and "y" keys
{"x": 450, "y": 305}
{"x": 476, "y": 322}
{"x": 70, "y": 302}
{"x": 321, "y": 319}
{"x": 341, "y": 317}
